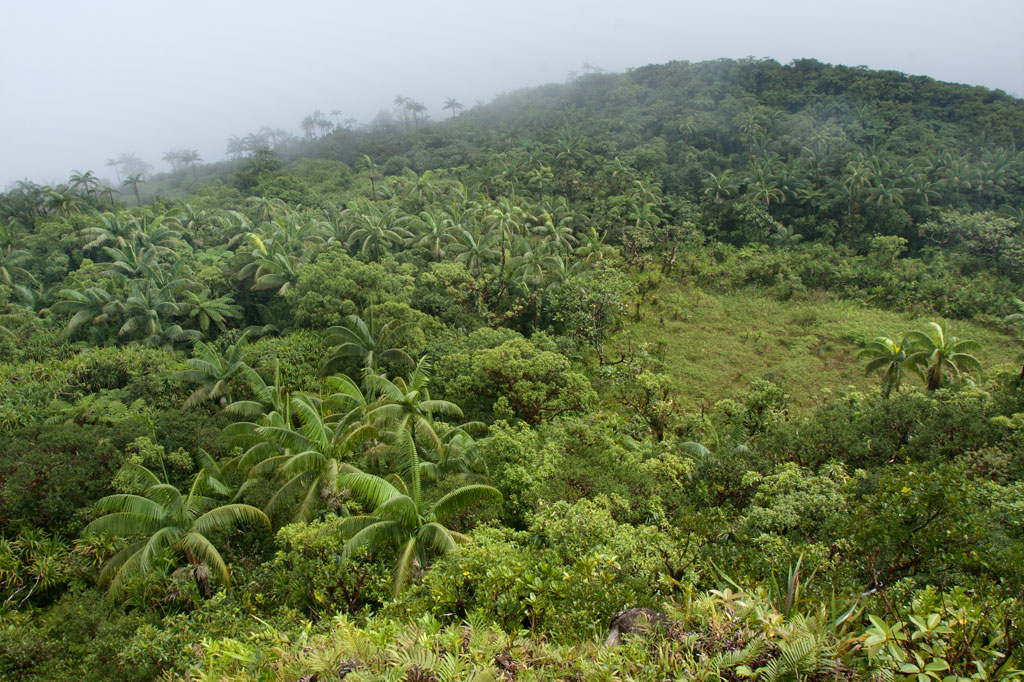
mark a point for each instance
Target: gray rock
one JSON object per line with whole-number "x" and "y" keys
{"x": 634, "y": 621}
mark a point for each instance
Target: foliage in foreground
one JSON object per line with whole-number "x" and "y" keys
{"x": 728, "y": 635}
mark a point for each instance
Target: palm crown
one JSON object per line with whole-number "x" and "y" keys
{"x": 888, "y": 355}
{"x": 166, "y": 523}
{"x": 938, "y": 357}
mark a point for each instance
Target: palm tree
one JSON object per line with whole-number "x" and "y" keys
{"x": 403, "y": 104}
{"x": 190, "y": 157}
{"x": 309, "y": 459}
{"x": 147, "y": 309}
{"x": 64, "y": 201}
{"x": 416, "y": 108}
{"x": 270, "y": 406}
{"x": 453, "y": 104}
{"x": 115, "y": 164}
{"x": 749, "y": 123}
{"x": 936, "y": 355}
{"x": 131, "y": 260}
{"x": 402, "y": 519}
{"x": 400, "y": 516}
{"x": 10, "y": 265}
{"x": 420, "y": 187}
{"x": 507, "y": 220}
{"x": 93, "y": 306}
{"x": 556, "y": 233}
{"x": 172, "y": 157}
{"x": 763, "y": 185}
{"x": 87, "y": 183}
{"x": 366, "y": 163}
{"x": 921, "y": 186}
{"x": 134, "y": 181}
{"x": 114, "y": 231}
{"x": 208, "y": 310}
{"x": 36, "y": 300}
{"x": 857, "y": 176}
{"x": 720, "y": 187}
{"x": 366, "y": 341}
{"x": 213, "y": 372}
{"x": 592, "y": 248}
{"x": 235, "y": 147}
{"x": 434, "y": 232}
{"x": 406, "y": 406}
{"x": 375, "y": 230}
{"x": 888, "y": 354}
{"x": 473, "y": 250}
{"x": 533, "y": 264}
{"x": 169, "y": 523}
{"x": 270, "y": 268}
{"x": 460, "y": 453}
{"x": 308, "y": 126}
{"x": 267, "y": 398}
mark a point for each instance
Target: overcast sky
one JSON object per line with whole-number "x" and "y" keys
{"x": 83, "y": 81}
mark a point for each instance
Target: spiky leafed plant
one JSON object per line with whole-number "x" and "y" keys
{"x": 165, "y": 524}
{"x": 213, "y": 372}
{"x": 888, "y": 355}
{"x": 938, "y": 357}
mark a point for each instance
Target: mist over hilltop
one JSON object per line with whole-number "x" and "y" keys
{"x": 87, "y": 85}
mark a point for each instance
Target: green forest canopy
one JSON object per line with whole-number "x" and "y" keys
{"x": 734, "y": 340}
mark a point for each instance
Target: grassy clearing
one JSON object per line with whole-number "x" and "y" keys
{"x": 716, "y": 344}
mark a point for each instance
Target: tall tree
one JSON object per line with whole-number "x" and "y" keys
{"x": 134, "y": 181}
{"x": 453, "y": 105}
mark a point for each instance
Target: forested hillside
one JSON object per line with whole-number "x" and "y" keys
{"x": 732, "y": 341}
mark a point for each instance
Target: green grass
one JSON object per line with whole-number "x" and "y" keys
{"x": 716, "y": 344}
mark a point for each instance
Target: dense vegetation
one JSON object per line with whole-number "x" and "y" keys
{"x": 734, "y": 341}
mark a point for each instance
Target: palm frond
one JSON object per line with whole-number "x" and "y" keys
{"x": 462, "y": 498}
{"x": 158, "y": 543}
{"x": 401, "y": 509}
{"x": 369, "y": 488}
{"x": 200, "y": 550}
{"x": 228, "y": 516}
{"x": 403, "y": 566}
{"x": 136, "y": 505}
